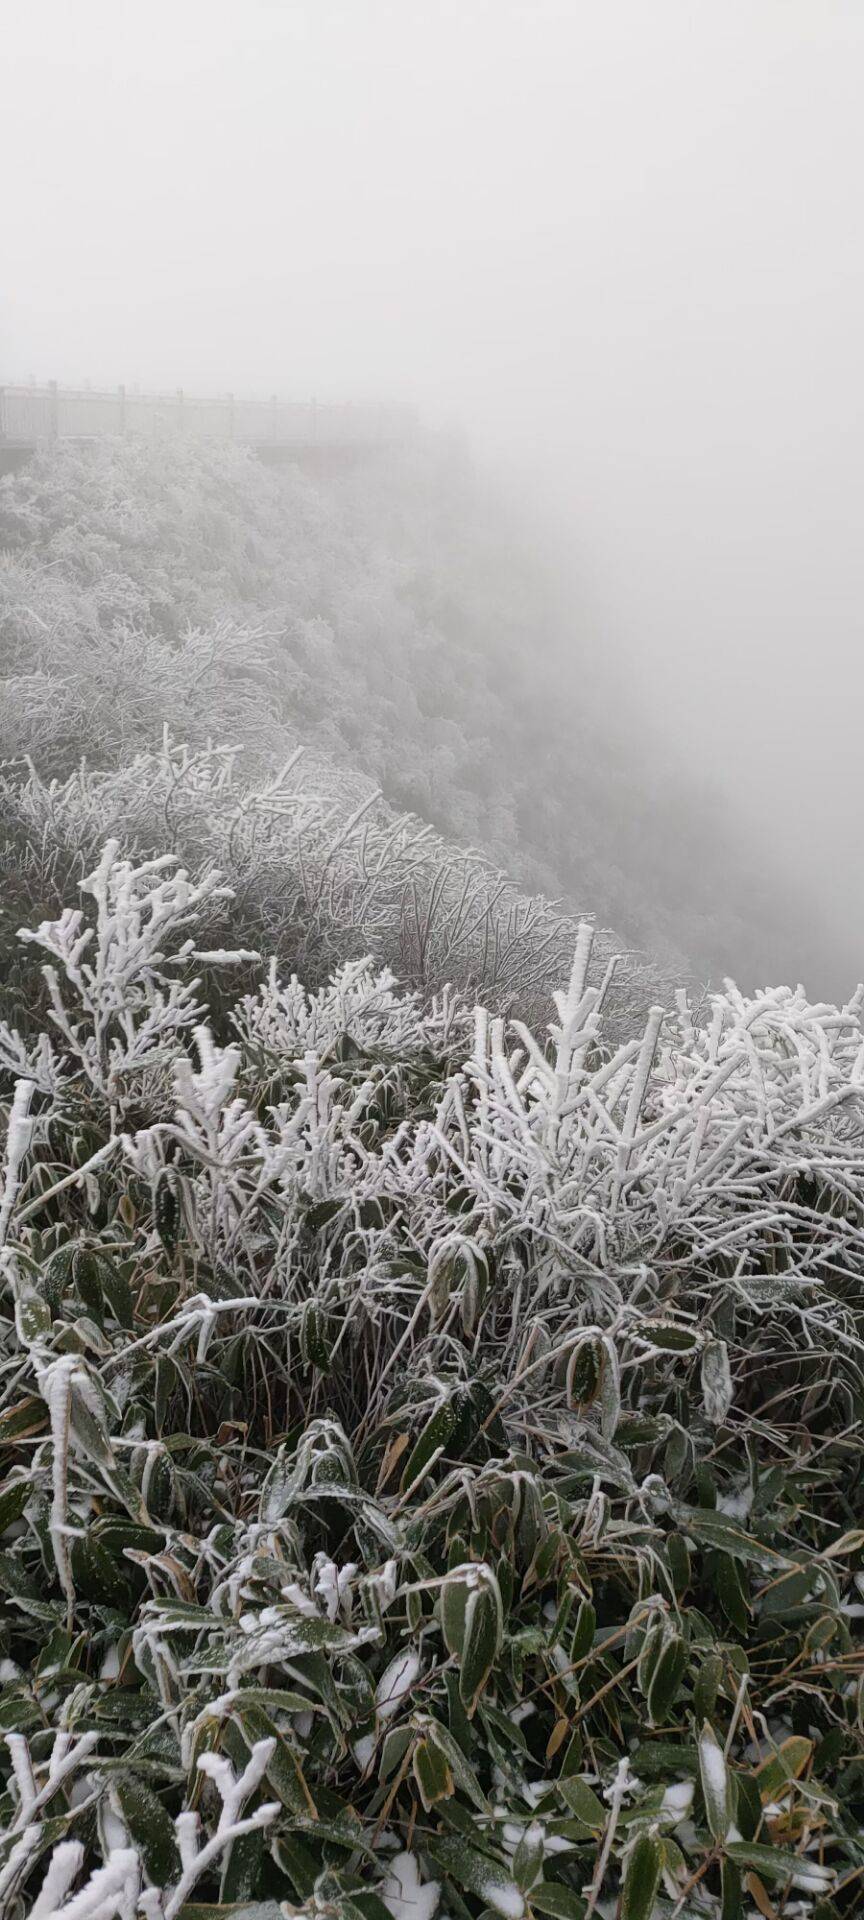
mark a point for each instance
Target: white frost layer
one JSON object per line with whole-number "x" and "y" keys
{"x": 736, "y": 1505}
{"x": 395, "y": 1684}
{"x": 363, "y": 1750}
{"x": 713, "y": 1768}
{"x": 407, "y": 1896}
{"x": 678, "y": 1799}
{"x": 504, "y": 1897}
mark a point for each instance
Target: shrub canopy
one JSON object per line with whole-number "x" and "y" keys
{"x": 431, "y": 1474}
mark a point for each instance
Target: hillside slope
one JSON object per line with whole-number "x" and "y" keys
{"x": 432, "y": 1481}
{"x": 388, "y": 619}
{"x": 165, "y": 655}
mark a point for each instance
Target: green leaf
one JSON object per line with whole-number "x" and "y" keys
{"x": 115, "y": 1287}
{"x": 478, "y": 1873}
{"x": 584, "y": 1630}
{"x": 782, "y": 1597}
{"x": 582, "y": 1801}
{"x": 151, "y": 1829}
{"x": 235, "y": 1910}
{"x": 284, "y": 1771}
{"x": 453, "y": 1605}
{"x": 731, "y": 1899}
{"x": 707, "y": 1686}
{"x": 432, "y": 1773}
{"x": 712, "y": 1529}
{"x": 32, "y": 1316}
{"x": 716, "y": 1785}
{"x": 584, "y": 1369}
{"x": 14, "y": 1496}
{"x": 55, "y": 1277}
{"x": 782, "y": 1767}
{"x": 242, "y": 1866}
{"x": 297, "y": 1861}
{"x": 654, "y": 1637}
{"x": 463, "y": 1773}
{"x": 559, "y": 1903}
{"x": 655, "y": 1759}
{"x": 87, "y": 1279}
{"x": 90, "y": 1433}
{"x": 679, "y": 1563}
{"x": 321, "y": 1213}
{"x": 28, "y": 1417}
{"x": 670, "y": 1339}
{"x": 430, "y": 1445}
{"x": 481, "y": 1642}
{"x": 15, "y": 1578}
{"x": 315, "y": 1339}
{"x": 394, "y": 1747}
{"x": 610, "y": 1389}
{"x": 775, "y": 1863}
{"x": 370, "y": 1906}
{"x": 669, "y": 1671}
{"x": 730, "y": 1591}
{"x": 98, "y": 1576}
{"x": 642, "y": 1878}
{"x": 166, "y": 1213}
{"x": 528, "y": 1857}
{"x": 166, "y": 1383}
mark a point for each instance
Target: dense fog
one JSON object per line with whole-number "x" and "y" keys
{"x": 616, "y": 246}
{"x": 431, "y": 1038}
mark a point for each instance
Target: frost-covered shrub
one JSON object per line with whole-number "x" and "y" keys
{"x": 430, "y": 1474}
{"x": 390, "y": 619}
{"x": 322, "y": 871}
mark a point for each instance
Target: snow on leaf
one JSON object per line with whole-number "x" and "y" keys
{"x": 407, "y": 1896}
{"x": 396, "y": 1684}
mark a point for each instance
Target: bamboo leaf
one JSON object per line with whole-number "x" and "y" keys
{"x": 642, "y": 1878}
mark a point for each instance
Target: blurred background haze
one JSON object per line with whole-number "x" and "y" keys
{"x": 617, "y": 246}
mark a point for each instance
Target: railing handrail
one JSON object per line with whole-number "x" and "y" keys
{"x": 375, "y": 420}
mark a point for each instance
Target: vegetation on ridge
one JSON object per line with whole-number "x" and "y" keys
{"x": 430, "y": 1467}
{"x": 389, "y": 620}
{"x": 430, "y": 1475}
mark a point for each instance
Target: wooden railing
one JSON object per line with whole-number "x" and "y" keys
{"x": 30, "y": 415}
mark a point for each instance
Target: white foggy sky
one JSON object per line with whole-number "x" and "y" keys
{"x": 619, "y": 239}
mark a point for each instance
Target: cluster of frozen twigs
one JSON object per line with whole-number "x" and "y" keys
{"x": 431, "y": 1452}
{"x": 320, "y": 868}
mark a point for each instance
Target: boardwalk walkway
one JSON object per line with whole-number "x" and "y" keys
{"x": 30, "y": 416}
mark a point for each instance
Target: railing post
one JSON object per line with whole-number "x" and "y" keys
{"x": 152, "y": 413}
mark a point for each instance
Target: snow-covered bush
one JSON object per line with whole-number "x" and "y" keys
{"x": 391, "y": 620}
{"x": 430, "y": 1477}
{"x": 322, "y": 870}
